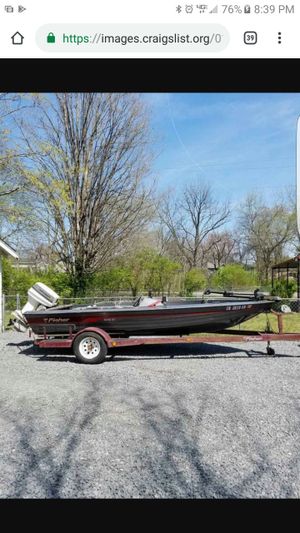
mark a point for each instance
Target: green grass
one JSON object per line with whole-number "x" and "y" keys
{"x": 291, "y": 323}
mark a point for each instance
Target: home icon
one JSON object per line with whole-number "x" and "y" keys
{"x": 17, "y": 38}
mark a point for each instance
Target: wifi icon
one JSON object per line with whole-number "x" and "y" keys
{"x": 214, "y": 10}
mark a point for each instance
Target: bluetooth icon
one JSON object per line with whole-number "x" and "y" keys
{"x": 178, "y": 9}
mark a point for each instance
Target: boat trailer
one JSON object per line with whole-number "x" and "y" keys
{"x": 90, "y": 345}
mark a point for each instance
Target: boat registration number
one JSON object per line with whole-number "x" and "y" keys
{"x": 237, "y": 307}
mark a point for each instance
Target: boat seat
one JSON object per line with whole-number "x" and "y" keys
{"x": 155, "y": 303}
{"x": 147, "y": 301}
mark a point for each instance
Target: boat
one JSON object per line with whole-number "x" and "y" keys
{"x": 145, "y": 316}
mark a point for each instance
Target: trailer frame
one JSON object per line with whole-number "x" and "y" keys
{"x": 225, "y": 336}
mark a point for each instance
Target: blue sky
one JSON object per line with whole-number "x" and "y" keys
{"x": 237, "y": 142}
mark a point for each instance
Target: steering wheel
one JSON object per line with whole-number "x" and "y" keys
{"x": 136, "y": 302}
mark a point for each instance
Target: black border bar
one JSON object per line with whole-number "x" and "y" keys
{"x": 148, "y": 75}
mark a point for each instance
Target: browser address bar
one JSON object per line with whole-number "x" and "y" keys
{"x": 132, "y": 37}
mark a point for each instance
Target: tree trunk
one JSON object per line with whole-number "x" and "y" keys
{"x": 79, "y": 280}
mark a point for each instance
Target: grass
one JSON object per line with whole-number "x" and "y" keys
{"x": 291, "y": 323}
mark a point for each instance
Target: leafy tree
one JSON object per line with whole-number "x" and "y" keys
{"x": 113, "y": 280}
{"x": 161, "y": 273}
{"x": 233, "y": 277}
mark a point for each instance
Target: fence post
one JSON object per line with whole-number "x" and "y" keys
{"x": 18, "y": 302}
{"x": 3, "y": 313}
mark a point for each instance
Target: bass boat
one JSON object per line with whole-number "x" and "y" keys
{"x": 145, "y": 316}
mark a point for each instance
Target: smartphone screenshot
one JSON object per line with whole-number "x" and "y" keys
{"x": 149, "y": 220}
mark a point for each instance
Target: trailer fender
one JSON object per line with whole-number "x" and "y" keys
{"x": 105, "y": 336}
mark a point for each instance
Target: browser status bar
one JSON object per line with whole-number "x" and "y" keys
{"x": 116, "y": 29}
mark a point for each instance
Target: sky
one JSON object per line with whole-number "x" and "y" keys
{"x": 237, "y": 142}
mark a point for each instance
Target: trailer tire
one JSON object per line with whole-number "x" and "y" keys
{"x": 90, "y": 348}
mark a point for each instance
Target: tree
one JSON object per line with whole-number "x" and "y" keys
{"x": 194, "y": 280}
{"x": 233, "y": 277}
{"x": 87, "y": 160}
{"x": 161, "y": 273}
{"x": 266, "y": 231}
{"x": 190, "y": 218}
{"x": 220, "y": 248}
{"x": 135, "y": 268}
{"x": 16, "y": 217}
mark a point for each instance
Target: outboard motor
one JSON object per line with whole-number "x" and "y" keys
{"x": 39, "y": 297}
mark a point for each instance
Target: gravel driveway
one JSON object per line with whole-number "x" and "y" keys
{"x": 210, "y": 423}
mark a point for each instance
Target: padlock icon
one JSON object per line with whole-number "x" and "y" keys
{"x": 50, "y": 37}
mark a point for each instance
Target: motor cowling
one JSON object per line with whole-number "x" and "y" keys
{"x": 39, "y": 297}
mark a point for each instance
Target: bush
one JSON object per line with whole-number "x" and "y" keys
{"x": 233, "y": 277}
{"x": 19, "y": 280}
{"x": 195, "y": 280}
{"x": 284, "y": 289}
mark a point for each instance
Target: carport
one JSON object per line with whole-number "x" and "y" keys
{"x": 5, "y": 251}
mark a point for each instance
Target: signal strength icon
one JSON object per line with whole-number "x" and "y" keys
{"x": 214, "y": 10}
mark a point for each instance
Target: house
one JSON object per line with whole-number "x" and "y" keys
{"x": 41, "y": 264}
{"x": 17, "y": 38}
{"x": 6, "y": 251}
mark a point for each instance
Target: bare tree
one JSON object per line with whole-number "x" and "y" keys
{"x": 219, "y": 248}
{"x": 87, "y": 159}
{"x": 191, "y": 218}
{"x": 267, "y": 231}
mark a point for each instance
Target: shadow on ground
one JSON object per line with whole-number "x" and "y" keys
{"x": 44, "y": 462}
{"x": 163, "y": 351}
{"x": 185, "y": 468}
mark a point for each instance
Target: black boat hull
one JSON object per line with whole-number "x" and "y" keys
{"x": 141, "y": 321}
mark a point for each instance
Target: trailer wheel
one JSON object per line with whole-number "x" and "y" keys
{"x": 90, "y": 348}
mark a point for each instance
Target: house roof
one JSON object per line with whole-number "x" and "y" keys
{"x": 5, "y": 249}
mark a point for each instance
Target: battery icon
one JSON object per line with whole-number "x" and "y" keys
{"x": 247, "y": 9}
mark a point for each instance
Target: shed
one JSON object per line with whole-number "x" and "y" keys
{"x": 6, "y": 251}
